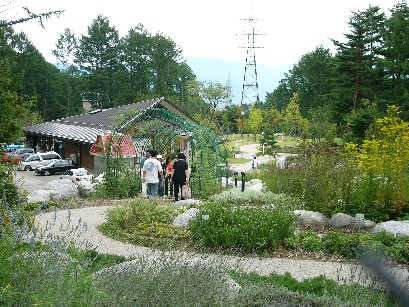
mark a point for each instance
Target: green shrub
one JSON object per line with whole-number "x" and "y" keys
{"x": 119, "y": 182}
{"x": 309, "y": 241}
{"x": 10, "y": 195}
{"x": 145, "y": 222}
{"x": 352, "y": 246}
{"x": 259, "y": 222}
{"x": 236, "y": 196}
{"x": 268, "y": 295}
{"x": 252, "y": 174}
{"x": 320, "y": 287}
{"x": 399, "y": 251}
{"x": 41, "y": 205}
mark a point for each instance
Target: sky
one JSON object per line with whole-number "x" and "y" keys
{"x": 212, "y": 29}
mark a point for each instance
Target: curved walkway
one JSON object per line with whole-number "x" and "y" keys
{"x": 80, "y": 226}
{"x": 251, "y": 150}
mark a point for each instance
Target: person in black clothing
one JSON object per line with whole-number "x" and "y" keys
{"x": 180, "y": 175}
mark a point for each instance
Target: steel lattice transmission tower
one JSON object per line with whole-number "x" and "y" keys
{"x": 250, "y": 94}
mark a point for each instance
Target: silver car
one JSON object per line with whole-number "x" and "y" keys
{"x": 38, "y": 159}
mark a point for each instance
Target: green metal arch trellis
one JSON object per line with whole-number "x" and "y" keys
{"x": 157, "y": 128}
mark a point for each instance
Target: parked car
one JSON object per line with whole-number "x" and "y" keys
{"x": 38, "y": 159}
{"x": 77, "y": 175}
{"x": 13, "y": 147}
{"x": 18, "y": 155}
{"x": 56, "y": 167}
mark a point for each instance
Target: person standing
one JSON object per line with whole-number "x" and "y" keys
{"x": 141, "y": 163}
{"x": 180, "y": 175}
{"x": 254, "y": 165}
{"x": 152, "y": 169}
{"x": 161, "y": 185}
{"x": 168, "y": 177}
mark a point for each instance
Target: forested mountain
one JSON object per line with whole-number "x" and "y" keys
{"x": 368, "y": 71}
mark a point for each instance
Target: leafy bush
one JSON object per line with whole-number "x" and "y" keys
{"x": 251, "y": 221}
{"x": 309, "y": 241}
{"x": 119, "y": 181}
{"x": 41, "y": 205}
{"x": 236, "y": 196}
{"x": 145, "y": 222}
{"x": 382, "y": 161}
{"x": 252, "y": 174}
{"x": 10, "y": 194}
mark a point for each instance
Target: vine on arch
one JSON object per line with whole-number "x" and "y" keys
{"x": 158, "y": 128}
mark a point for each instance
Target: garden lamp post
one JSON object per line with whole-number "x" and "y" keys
{"x": 262, "y": 136}
{"x": 242, "y": 124}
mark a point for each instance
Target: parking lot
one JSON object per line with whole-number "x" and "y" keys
{"x": 30, "y": 181}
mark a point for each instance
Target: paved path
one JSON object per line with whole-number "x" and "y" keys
{"x": 251, "y": 150}
{"x": 81, "y": 226}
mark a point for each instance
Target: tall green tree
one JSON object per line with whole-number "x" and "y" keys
{"x": 281, "y": 95}
{"x": 255, "y": 121}
{"x": 98, "y": 55}
{"x": 65, "y": 48}
{"x": 312, "y": 78}
{"x": 358, "y": 59}
{"x": 135, "y": 57}
{"x": 273, "y": 120}
{"x": 321, "y": 125}
{"x": 293, "y": 120}
{"x": 164, "y": 59}
{"x": 397, "y": 55}
{"x": 16, "y": 111}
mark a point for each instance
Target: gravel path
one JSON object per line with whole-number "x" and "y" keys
{"x": 80, "y": 226}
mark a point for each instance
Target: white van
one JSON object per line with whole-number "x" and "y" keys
{"x": 38, "y": 159}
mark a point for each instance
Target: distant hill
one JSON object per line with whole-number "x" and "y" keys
{"x": 213, "y": 70}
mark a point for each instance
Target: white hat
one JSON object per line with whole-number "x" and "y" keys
{"x": 159, "y": 157}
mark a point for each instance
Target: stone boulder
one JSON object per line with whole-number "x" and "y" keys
{"x": 396, "y": 228}
{"x": 310, "y": 218}
{"x": 182, "y": 220}
{"x": 342, "y": 220}
{"x": 255, "y": 184}
{"x": 65, "y": 187}
{"x": 365, "y": 224}
{"x": 39, "y": 196}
